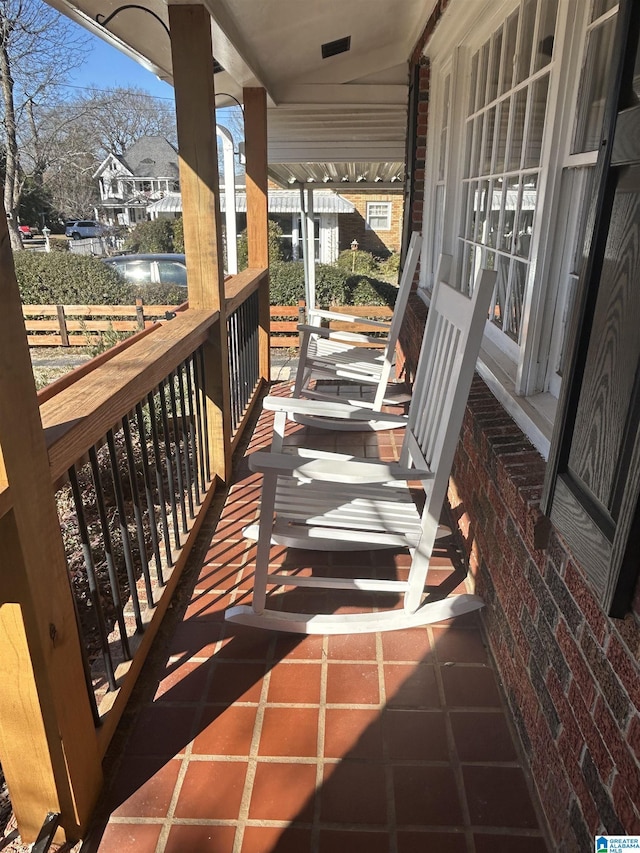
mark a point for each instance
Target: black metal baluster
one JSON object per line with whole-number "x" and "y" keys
{"x": 124, "y": 531}
{"x": 137, "y": 511}
{"x": 241, "y": 363}
{"x": 203, "y": 385}
{"x": 185, "y": 440}
{"x": 108, "y": 553}
{"x": 94, "y": 592}
{"x": 160, "y": 479}
{"x": 196, "y": 441}
{"x": 176, "y": 439}
{"x": 255, "y": 340}
{"x": 231, "y": 339}
{"x": 169, "y": 463}
{"x": 148, "y": 493}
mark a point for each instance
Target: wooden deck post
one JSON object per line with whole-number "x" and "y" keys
{"x": 255, "y": 132}
{"x": 48, "y": 745}
{"x": 192, "y": 54}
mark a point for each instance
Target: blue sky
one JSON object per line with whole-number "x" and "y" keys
{"x": 107, "y": 67}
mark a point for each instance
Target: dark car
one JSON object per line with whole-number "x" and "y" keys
{"x": 151, "y": 269}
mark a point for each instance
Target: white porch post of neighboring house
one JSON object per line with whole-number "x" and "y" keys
{"x": 229, "y": 175}
{"x": 310, "y": 250}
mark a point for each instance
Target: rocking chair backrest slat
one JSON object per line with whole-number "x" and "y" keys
{"x": 451, "y": 341}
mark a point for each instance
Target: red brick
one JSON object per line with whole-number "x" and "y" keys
{"x": 579, "y": 669}
{"x": 571, "y": 731}
{"x": 626, "y": 766}
{"x": 624, "y": 806}
{"x": 633, "y": 735}
{"x": 626, "y": 668}
{"x": 594, "y": 742}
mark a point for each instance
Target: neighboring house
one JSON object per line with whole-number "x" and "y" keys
{"x": 377, "y": 224}
{"x": 332, "y": 213}
{"x": 147, "y": 171}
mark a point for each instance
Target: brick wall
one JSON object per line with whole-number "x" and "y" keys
{"x": 570, "y": 673}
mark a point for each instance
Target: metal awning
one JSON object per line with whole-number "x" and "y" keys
{"x": 280, "y": 201}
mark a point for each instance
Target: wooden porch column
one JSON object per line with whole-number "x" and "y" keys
{"x": 192, "y": 54}
{"x": 255, "y": 133}
{"x": 48, "y": 745}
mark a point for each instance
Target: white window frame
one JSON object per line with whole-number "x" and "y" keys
{"x": 517, "y": 373}
{"x": 387, "y": 205}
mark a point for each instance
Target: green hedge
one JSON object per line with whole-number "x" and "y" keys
{"x": 357, "y": 262}
{"x": 68, "y": 279}
{"x": 364, "y": 290}
{"x": 151, "y": 237}
{"x": 287, "y": 284}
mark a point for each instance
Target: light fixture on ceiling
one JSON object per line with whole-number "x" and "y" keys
{"x": 333, "y": 48}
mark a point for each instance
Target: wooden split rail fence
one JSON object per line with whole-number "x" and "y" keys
{"x": 83, "y": 325}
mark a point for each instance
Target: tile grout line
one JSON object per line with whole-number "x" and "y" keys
{"x": 392, "y": 826}
{"x": 168, "y": 818}
{"x": 456, "y": 766}
{"x": 252, "y": 758}
{"x": 322, "y": 710}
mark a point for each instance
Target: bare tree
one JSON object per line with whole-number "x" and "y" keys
{"x": 38, "y": 47}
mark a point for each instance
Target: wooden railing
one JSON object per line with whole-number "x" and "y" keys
{"x": 83, "y": 325}
{"x": 132, "y": 439}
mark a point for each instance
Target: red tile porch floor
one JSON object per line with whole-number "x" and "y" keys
{"x": 245, "y": 741}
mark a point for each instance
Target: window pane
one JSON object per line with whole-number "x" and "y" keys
{"x": 510, "y": 205}
{"x": 494, "y": 67}
{"x": 526, "y": 214}
{"x": 482, "y": 76}
{"x": 537, "y": 107}
{"x": 468, "y": 149}
{"x": 601, "y": 6}
{"x": 477, "y": 139}
{"x": 500, "y": 296}
{"x": 513, "y": 313}
{"x": 481, "y": 212}
{"x": 493, "y": 217}
{"x": 473, "y": 79}
{"x": 527, "y": 28}
{"x": 502, "y": 127}
{"x": 546, "y": 34}
{"x": 518, "y": 110}
{"x": 488, "y": 140}
{"x": 509, "y": 51}
{"x": 593, "y": 87}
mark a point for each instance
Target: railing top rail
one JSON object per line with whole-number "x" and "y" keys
{"x": 98, "y": 310}
{"x": 81, "y": 414}
{"x": 238, "y": 288}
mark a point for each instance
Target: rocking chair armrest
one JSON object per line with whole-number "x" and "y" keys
{"x": 322, "y": 409}
{"x": 325, "y": 469}
{"x": 349, "y": 318}
{"x": 345, "y": 337}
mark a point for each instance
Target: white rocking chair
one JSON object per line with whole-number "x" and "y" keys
{"x": 339, "y": 355}
{"x": 329, "y": 501}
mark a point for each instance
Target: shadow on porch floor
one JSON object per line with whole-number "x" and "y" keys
{"x": 246, "y": 741}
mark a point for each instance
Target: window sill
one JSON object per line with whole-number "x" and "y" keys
{"x": 534, "y": 415}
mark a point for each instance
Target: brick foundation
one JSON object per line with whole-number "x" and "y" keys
{"x": 569, "y": 672}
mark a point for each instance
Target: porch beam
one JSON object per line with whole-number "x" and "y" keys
{"x": 48, "y": 745}
{"x": 255, "y": 132}
{"x": 193, "y": 77}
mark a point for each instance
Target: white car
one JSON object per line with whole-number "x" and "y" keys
{"x": 80, "y": 229}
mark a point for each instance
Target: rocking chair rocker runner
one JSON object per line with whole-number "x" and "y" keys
{"x": 329, "y": 501}
{"x": 326, "y": 354}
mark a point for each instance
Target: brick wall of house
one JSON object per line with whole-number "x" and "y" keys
{"x": 570, "y": 673}
{"x": 354, "y": 225}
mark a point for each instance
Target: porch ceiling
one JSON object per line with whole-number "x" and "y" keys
{"x": 336, "y": 120}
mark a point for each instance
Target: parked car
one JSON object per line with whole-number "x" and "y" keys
{"x": 151, "y": 269}
{"x": 25, "y": 232}
{"x": 79, "y": 229}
